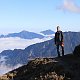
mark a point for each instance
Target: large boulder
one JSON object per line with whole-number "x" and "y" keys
{"x": 76, "y": 51}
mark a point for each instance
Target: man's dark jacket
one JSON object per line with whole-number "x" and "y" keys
{"x": 58, "y": 38}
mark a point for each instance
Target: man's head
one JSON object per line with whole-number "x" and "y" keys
{"x": 58, "y": 28}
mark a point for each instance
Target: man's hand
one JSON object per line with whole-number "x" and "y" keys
{"x": 62, "y": 44}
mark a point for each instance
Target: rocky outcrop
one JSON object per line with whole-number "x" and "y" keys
{"x": 77, "y": 51}
{"x": 63, "y": 68}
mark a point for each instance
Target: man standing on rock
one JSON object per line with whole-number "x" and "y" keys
{"x": 59, "y": 41}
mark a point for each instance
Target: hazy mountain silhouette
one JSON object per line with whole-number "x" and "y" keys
{"x": 23, "y": 34}
{"x": 47, "y": 32}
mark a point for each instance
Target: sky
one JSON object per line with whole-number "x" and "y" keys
{"x": 39, "y": 15}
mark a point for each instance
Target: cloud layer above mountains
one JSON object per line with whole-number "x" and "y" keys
{"x": 18, "y": 43}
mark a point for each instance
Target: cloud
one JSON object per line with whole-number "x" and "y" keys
{"x": 18, "y": 43}
{"x": 4, "y": 68}
{"x": 69, "y": 5}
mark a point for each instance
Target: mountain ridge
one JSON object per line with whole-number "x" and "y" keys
{"x": 23, "y": 34}
{"x": 44, "y": 49}
{"x": 47, "y": 32}
{"x": 28, "y": 35}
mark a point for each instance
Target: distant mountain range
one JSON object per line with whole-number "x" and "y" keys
{"x": 28, "y": 35}
{"x": 44, "y": 49}
{"x": 23, "y": 34}
{"x": 47, "y": 32}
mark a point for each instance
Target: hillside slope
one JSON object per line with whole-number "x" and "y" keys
{"x": 63, "y": 68}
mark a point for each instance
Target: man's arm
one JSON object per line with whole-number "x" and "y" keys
{"x": 62, "y": 39}
{"x": 61, "y": 36}
{"x": 55, "y": 38}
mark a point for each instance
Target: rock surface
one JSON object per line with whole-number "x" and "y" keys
{"x": 62, "y": 68}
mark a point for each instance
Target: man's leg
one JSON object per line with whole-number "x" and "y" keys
{"x": 62, "y": 50}
{"x": 58, "y": 51}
